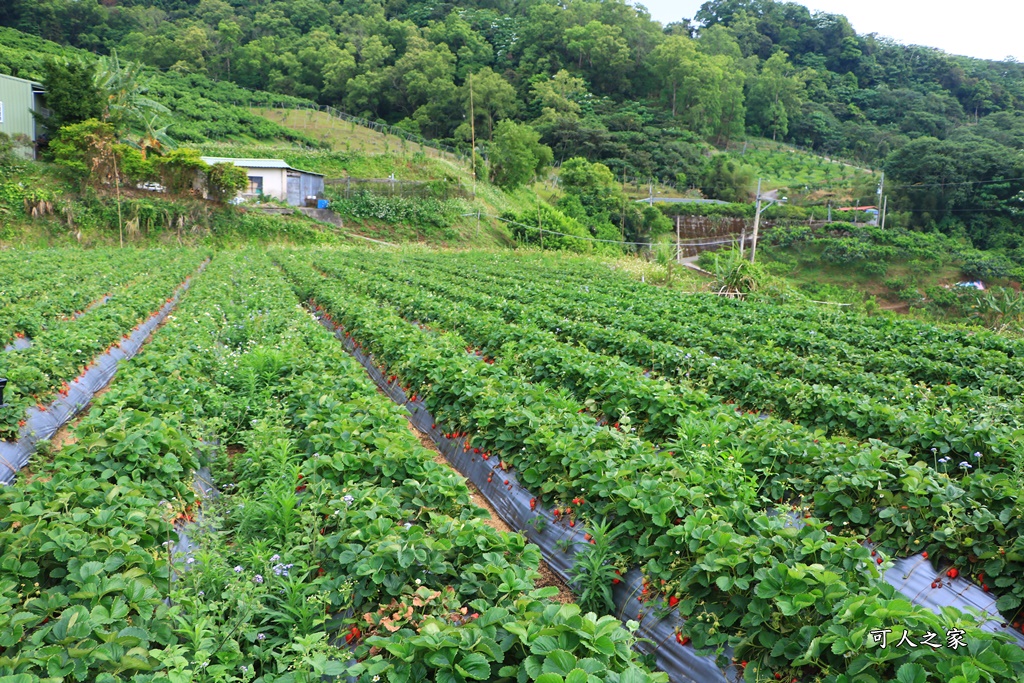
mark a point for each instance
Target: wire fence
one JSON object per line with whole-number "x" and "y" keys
{"x": 696, "y": 244}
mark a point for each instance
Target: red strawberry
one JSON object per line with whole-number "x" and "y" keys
{"x": 506, "y": 482}
{"x": 778, "y": 676}
{"x": 572, "y": 522}
{"x": 878, "y": 560}
{"x": 587, "y": 537}
{"x": 673, "y": 601}
{"x": 533, "y": 503}
{"x": 925, "y": 554}
{"x": 984, "y": 587}
{"x": 953, "y": 573}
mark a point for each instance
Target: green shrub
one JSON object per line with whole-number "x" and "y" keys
{"x": 225, "y": 180}
{"x": 419, "y": 213}
{"x": 181, "y": 169}
{"x": 897, "y": 284}
{"x": 985, "y": 266}
{"x": 7, "y": 156}
{"x": 553, "y": 220}
{"x": 874, "y": 268}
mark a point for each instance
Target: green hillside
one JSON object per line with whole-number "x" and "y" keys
{"x": 595, "y": 79}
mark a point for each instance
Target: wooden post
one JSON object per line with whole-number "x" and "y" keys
{"x": 540, "y": 222}
{"x": 743, "y": 239}
{"x": 472, "y": 128}
{"x": 757, "y": 220}
{"x": 679, "y": 247}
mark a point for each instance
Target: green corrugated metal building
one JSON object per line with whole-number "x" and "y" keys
{"x": 18, "y": 99}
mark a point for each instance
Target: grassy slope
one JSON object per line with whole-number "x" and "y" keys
{"x": 360, "y": 152}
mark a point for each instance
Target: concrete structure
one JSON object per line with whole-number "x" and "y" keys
{"x": 275, "y": 178}
{"x": 18, "y": 99}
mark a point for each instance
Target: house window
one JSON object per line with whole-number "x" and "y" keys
{"x": 255, "y": 184}
{"x": 1, "y": 112}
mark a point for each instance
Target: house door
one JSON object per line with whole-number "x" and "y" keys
{"x": 294, "y": 190}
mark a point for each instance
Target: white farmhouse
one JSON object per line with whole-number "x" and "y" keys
{"x": 275, "y": 178}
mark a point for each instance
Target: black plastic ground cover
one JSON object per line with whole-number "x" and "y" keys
{"x": 43, "y": 424}
{"x": 184, "y": 548}
{"x": 558, "y": 542}
{"x": 913, "y": 577}
{"x": 18, "y": 344}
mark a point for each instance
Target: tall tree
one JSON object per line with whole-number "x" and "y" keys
{"x": 71, "y": 93}
{"x": 493, "y": 98}
{"x": 774, "y": 96}
{"x": 516, "y": 155}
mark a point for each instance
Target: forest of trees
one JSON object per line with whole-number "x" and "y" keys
{"x": 601, "y": 79}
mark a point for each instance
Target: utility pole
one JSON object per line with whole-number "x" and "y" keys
{"x": 757, "y": 220}
{"x": 881, "y": 188}
{"x": 830, "y": 212}
{"x": 885, "y": 205}
{"x": 472, "y": 128}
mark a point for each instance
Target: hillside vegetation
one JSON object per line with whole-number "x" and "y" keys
{"x": 603, "y": 81}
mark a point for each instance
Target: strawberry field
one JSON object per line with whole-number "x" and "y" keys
{"x": 738, "y": 486}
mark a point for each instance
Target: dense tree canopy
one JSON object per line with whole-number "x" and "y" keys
{"x": 595, "y": 78}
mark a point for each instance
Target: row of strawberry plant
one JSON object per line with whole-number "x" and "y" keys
{"x": 361, "y": 520}
{"x": 718, "y": 344}
{"x": 928, "y": 352}
{"x": 61, "y": 284}
{"x": 766, "y": 345}
{"x": 83, "y": 575}
{"x": 788, "y": 599}
{"x": 373, "y": 526}
{"x": 64, "y": 350}
{"x": 953, "y": 435}
{"x": 869, "y": 489}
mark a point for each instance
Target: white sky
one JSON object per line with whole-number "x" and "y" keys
{"x": 990, "y": 29}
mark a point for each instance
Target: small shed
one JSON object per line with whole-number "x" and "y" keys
{"x": 275, "y": 178}
{"x": 18, "y": 99}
